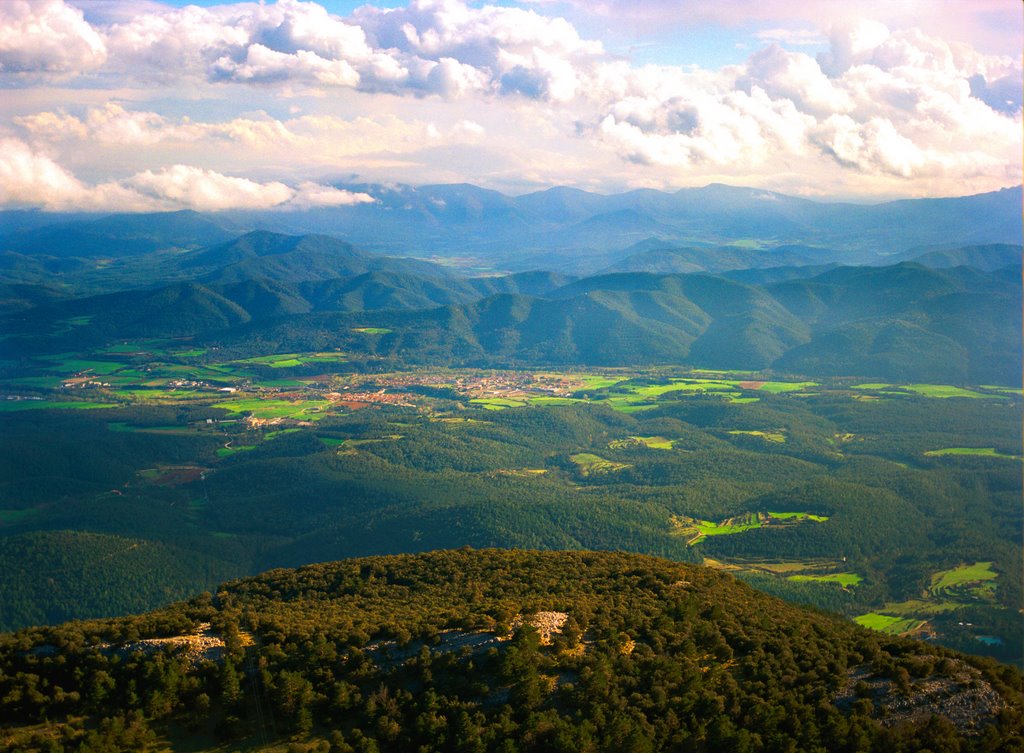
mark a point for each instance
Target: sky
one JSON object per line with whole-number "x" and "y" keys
{"x": 150, "y": 105}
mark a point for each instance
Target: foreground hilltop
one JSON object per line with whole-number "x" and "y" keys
{"x": 495, "y": 650}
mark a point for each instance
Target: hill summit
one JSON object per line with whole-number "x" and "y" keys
{"x": 495, "y": 650}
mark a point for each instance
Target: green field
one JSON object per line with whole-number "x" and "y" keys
{"x": 843, "y": 579}
{"x": 373, "y": 330}
{"x": 695, "y": 530}
{"x": 589, "y": 463}
{"x": 926, "y": 390}
{"x": 989, "y": 452}
{"x": 965, "y": 580}
{"x": 684, "y": 385}
{"x": 768, "y": 436}
{"x": 552, "y": 400}
{"x": 884, "y": 623}
{"x": 654, "y": 443}
{"x": 305, "y": 410}
{"x": 286, "y": 360}
{"x": 728, "y": 527}
{"x": 497, "y": 403}
{"x": 797, "y": 516}
{"x": 223, "y": 452}
{"x": 779, "y": 387}
{"x": 595, "y": 381}
{"x": 950, "y": 590}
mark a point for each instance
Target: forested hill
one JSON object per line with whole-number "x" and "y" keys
{"x": 495, "y": 651}
{"x": 900, "y": 322}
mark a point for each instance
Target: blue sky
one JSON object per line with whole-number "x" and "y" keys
{"x": 148, "y": 104}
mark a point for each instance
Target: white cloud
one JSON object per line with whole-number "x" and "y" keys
{"x": 436, "y": 88}
{"x": 316, "y": 141}
{"x": 33, "y": 179}
{"x": 309, "y": 195}
{"x": 443, "y": 47}
{"x": 898, "y": 106}
{"x": 208, "y": 190}
{"x": 47, "y": 36}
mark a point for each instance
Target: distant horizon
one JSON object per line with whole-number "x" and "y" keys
{"x": 861, "y": 201}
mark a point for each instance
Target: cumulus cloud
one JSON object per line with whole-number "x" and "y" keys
{"x": 47, "y": 36}
{"x": 33, "y": 179}
{"x": 308, "y": 140}
{"x": 899, "y": 105}
{"x": 403, "y": 88}
{"x": 442, "y": 47}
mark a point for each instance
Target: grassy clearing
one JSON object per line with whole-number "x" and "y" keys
{"x": 497, "y": 403}
{"x": 998, "y": 388}
{"x": 943, "y": 390}
{"x": 983, "y": 451}
{"x": 373, "y": 330}
{"x": 768, "y": 436}
{"x": 725, "y": 372}
{"x": 797, "y": 516}
{"x": 786, "y": 566}
{"x": 551, "y": 400}
{"x": 654, "y": 443}
{"x": 925, "y": 390}
{"x": 685, "y": 385}
{"x": 349, "y": 446}
{"x": 280, "y": 432}
{"x": 284, "y": 360}
{"x": 696, "y": 530}
{"x": 964, "y": 581}
{"x": 595, "y": 381}
{"x": 921, "y": 607}
{"x": 305, "y": 410}
{"x": 780, "y": 387}
{"x": 950, "y": 590}
{"x": 888, "y": 624}
{"x": 588, "y": 464}
{"x": 224, "y": 452}
{"x": 843, "y": 579}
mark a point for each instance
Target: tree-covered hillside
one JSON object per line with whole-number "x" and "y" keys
{"x": 496, "y": 651}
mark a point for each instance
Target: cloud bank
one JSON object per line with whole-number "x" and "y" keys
{"x": 30, "y": 178}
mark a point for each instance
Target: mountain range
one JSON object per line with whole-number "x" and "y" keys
{"x": 563, "y": 229}
{"x": 292, "y": 293}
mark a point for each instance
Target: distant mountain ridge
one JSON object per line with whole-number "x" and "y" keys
{"x": 561, "y": 229}
{"x": 899, "y": 322}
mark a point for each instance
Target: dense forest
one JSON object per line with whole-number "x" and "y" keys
{"x": 130, "y": 507}
{"x": 496, "y": 651}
